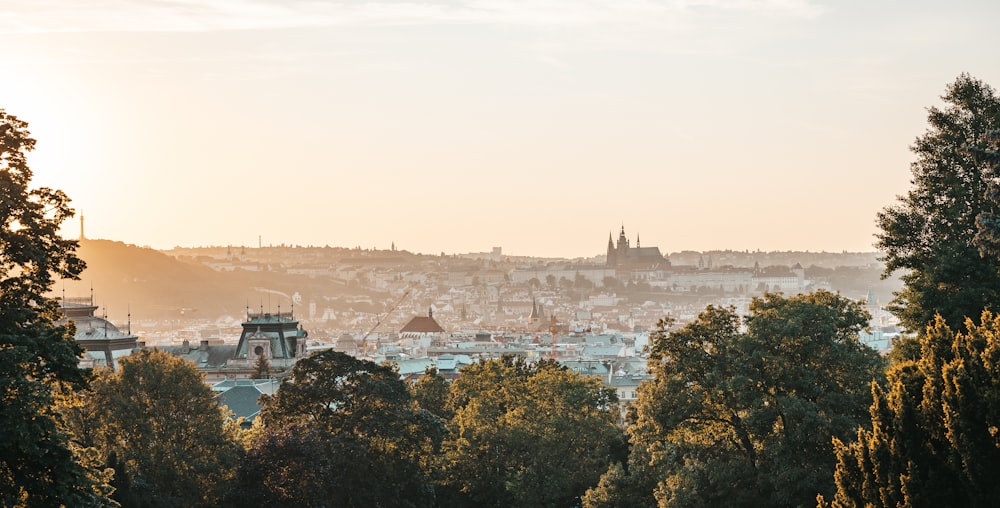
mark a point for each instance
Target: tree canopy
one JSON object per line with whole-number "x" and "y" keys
{"x": 527, "y": 435}
{"x": 38, "y": 358}
{"x": 745, "y": 418}
{"x": 933, "y": 439}
{"x": 158, "y": 425}
{"x": 930, "y": 233}
{"x": 341, "y": 432}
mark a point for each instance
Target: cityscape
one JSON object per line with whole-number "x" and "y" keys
{"x": 499, "y": 253}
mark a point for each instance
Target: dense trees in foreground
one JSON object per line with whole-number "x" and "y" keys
{"x": 936, "y": 232}
{"x": 782, "y": 407}
{"x": 39, "y": 465}
{"x": 933, "y": 438}
{"x": 742, "y": 412}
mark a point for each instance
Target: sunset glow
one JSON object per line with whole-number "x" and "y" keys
{"x": 458, "y": 126}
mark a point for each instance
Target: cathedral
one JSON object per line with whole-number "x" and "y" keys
{"x": 623, "y": 255}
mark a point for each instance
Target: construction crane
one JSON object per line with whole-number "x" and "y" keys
{"x": 387, "y": 313}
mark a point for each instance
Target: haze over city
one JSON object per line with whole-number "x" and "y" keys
{"x": 462, "y": 125}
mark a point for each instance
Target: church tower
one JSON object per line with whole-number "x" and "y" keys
{"x": 622, "y": 255}
{"x": 611, "y": 252}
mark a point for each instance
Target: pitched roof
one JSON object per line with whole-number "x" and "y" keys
{"x": 242, "y": 401}
{"x": 422, "y": 324}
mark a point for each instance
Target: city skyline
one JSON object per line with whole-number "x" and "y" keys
{"x": 541, "y": 127}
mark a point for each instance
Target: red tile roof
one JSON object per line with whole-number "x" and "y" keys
{"x": 422, "y": 324}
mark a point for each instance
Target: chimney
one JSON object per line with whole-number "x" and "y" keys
{"x": 204, "y": 345}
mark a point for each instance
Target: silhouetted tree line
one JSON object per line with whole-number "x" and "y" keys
{"x": 783, "y": 407}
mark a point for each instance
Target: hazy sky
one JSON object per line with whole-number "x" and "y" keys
{"x": 459, "y": 125}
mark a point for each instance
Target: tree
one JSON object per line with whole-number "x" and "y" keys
{"x": 38, "y": 358}
{"x": 988, "y": 235}
{"x": 933, "y": 439}
{"x": 340, "y": 432}
{"x": 527, "y": 435}
{"x": 611, "y": 283}
{"x": 745, "y": 418}
{"x": 930, "y": 232}
{"x": 431, "y": 393}
{"x": 157, "y": 423}
{"x": 262, "y": 368}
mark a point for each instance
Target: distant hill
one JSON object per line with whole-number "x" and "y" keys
{"x": 157, "y": 286}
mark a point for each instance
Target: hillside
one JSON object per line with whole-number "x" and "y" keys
{"x": 157, "y": 286}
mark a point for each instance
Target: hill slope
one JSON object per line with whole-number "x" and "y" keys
{"x": 154, "y": 285}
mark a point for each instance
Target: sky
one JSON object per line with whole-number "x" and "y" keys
{"x": 460, "y": 125}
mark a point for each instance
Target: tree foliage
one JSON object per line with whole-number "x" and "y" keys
{"x": 262, "y": 368}
{"x": 527, "y": 435}
{"x": 930, "y": 233}
{"x": 988, "y": 222}
{"x": 158, "y": 425}
{"x": 745, "y": 418}
{"x": 340, "y": 432}
{"x": 38, "y": 358}
{"x": 431, "y": 393}
{"x": 933, "y": 439}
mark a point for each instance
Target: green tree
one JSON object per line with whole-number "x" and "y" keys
{"x": 340, "y": 432}
{"x": 159, "y": 426}
{"x": 988, "y": 222}
{"x": 431, "y": 393}
{"x": 527, "y": 435}
{"x": 933, "y": 439}
{"x": 262, "y": 369}
{"x": 38, "y": 358}
{"x": 930, "y": 232}
{"x": 745, "y": 418}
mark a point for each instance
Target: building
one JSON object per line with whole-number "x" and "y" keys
{"x": 423, "y": 331}
{"x": 275, "y": 337}
{"x": 103, "y": 342}
{"x": 623, "y": 255}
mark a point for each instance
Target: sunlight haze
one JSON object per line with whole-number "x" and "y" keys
{"x": 459, "y": 125}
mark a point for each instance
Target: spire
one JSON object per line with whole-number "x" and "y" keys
{"x": 82, "y": 236}
{"x": 622, "y": 240}
{"x": 611, "y": 260}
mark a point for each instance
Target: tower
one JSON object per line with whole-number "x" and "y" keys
{"x": 82, "y": 236}
{"x": 611, "y": 252}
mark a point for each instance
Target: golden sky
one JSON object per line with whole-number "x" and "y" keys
{"x": 459, "y": 125}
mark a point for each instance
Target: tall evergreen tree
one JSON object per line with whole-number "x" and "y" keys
{"x": 930, "y": 233}
{"x": 933, "y": 439}
{"x": 38, "y": 358}
{"x": 988, "y": 236}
